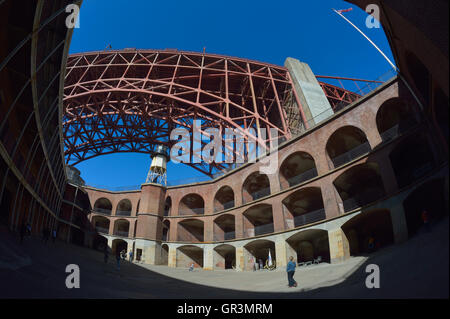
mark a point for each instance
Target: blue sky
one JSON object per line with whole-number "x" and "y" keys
{"x": 267, "y": 31}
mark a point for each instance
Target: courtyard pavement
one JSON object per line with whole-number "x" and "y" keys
{"x": 418, "y": 268}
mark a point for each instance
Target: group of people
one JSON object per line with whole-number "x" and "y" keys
{"x": 258, "y": 265}
{"x": 46, "y": 235}
{"x": 120, "y": 255}
{"x": 25, "y": 230}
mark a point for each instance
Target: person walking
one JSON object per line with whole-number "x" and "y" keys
{"x": 290, "y": 269}
{"x": 191, "y": 268}
{"x": 54, "y": 235}
{"x": 130, "y": 254}
{"x": 28, "y": 229}
{"x": 118, "y": 259}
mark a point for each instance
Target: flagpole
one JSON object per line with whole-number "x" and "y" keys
{"x": 368, "y": 39}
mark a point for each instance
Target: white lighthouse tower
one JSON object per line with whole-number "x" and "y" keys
{"x": 158, "y": 169}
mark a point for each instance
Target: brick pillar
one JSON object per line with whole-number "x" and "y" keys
{"x": 372, "y": 134}
{"x": 172, "y": 258}
{"x": 331, "y": 200}
{"x": 208, "y": 230}
{"x": 111, "y": 226}
{"x": 208, "y": 257}
{"x": 239, "y": 224}
{"x": 209, "y": 204}
{"x": 175, "y": 205}
{"x": 321, "y": 161}
{"x": 339, "y": 246}
{"x": 131, "y": 228}
{"x": 173, "y": 233}
{"x": 274, "y": 183}
{"x": 240, "y": 262}
{"x": 278, "y": 216}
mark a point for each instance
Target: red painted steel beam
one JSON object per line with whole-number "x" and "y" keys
{"x": 129, "y": 100}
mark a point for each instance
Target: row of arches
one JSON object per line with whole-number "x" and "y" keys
{"x": 104, "y": 206}
{"x": 306, "y": 206}
{"x": 372, "y": 225}
{"x": 121, "y": 226}
{"x": 410, "y": 159}
{"x": 366, "y": 232}
{"x": 393, "y": 118}
{"x": 357, "y": 187}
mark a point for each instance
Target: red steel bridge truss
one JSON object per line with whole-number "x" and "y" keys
{"x": 130, "y": 100}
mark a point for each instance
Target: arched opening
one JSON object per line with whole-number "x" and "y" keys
{"x": 303, "y": 207}
{"x": 188, "y": 255}
{"x": 258, "y": 252}
{"x": 255, "y": 186}
{"x": 369, "y": 231}
{"x": 359, "y": 186}
{"x": 164, "y": 260}
{"x": 224, "y": 199}
{"x": 103, "y": 206}
{"x": 411, "y": 159}
{"x": 224, "y": 257}
{"x": 430, "y": 197}
{"x": 394, "y": 117}
{"x": 296, "y": 169}
{"x": 124, "y": 208}
{"x": 100, "y": 243}
{"x": 258, "y": 220}
{"x": 166, "y": 229}
{"x": 101, "y": 224}
{"x": 118, "y": 245}
{"x": 190, "y": 230}
{"x": 167, "y": 206}
{"x": 191, "y": 204}
{"x": 224, "y": 227}
{"x": 121, "y": 227}
{"x": 346, "y": 144}
{"x": 310, "y": 245}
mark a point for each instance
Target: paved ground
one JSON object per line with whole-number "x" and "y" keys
{"x": 418, "y": 268}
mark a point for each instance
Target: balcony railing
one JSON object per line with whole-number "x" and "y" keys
{"x": 311, "y": 173}
{"x": 121, "y": 233}
{"x": 261, "y": 193}
{"x": 229, "y": 235}
{"x": 351, "y": 155}
{"x": 226, "y": 236}
{"x": 310, "y": 217}
{"x": 123, "y": 213}
{"x": 192, "y": 211}
{"x": 226, "y": 205}
{"x": 102, "y": 211}
{"x": 398, "y": 129}
{"x": 362, "y": 199}
{"x": 102, "y": 230}
{"x": 262, "y": 229}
